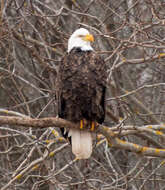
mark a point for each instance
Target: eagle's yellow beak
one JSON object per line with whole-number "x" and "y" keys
{"x": 89, "y": 38}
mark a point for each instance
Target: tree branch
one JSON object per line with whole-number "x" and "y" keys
{"x": 113, "y": 141}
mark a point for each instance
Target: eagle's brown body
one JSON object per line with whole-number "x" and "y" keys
{"x": 81, "y": 86}
{"x": 82, "y": 83}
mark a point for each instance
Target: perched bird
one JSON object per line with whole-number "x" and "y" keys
{"x": 81, "y": 85}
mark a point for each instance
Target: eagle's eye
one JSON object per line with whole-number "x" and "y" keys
{"x": 80, "y": 36}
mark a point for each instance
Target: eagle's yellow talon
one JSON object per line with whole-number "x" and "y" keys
{"x": 93, "y": 126}
{"x": 77, "y": 158}
{"x": 81, "y": 124}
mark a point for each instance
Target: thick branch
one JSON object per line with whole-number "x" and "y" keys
{"x": 37, "y": 123}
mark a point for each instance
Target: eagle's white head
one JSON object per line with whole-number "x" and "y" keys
{"x": 80, "y": 38}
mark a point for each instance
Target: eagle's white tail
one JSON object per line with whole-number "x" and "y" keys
{"x": 81, "y": 143}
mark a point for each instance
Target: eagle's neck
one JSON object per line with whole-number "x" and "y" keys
{"x": 79, "y": 50}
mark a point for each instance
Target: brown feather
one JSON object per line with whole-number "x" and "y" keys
{"x": 81, "y": 86}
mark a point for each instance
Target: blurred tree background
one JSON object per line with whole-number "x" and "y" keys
{"x": 130, "y": 35}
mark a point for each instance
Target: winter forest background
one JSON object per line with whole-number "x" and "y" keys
{"x": 130, "y": 35}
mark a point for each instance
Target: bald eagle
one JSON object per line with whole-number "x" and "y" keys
{"x": 81, "y": 91}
